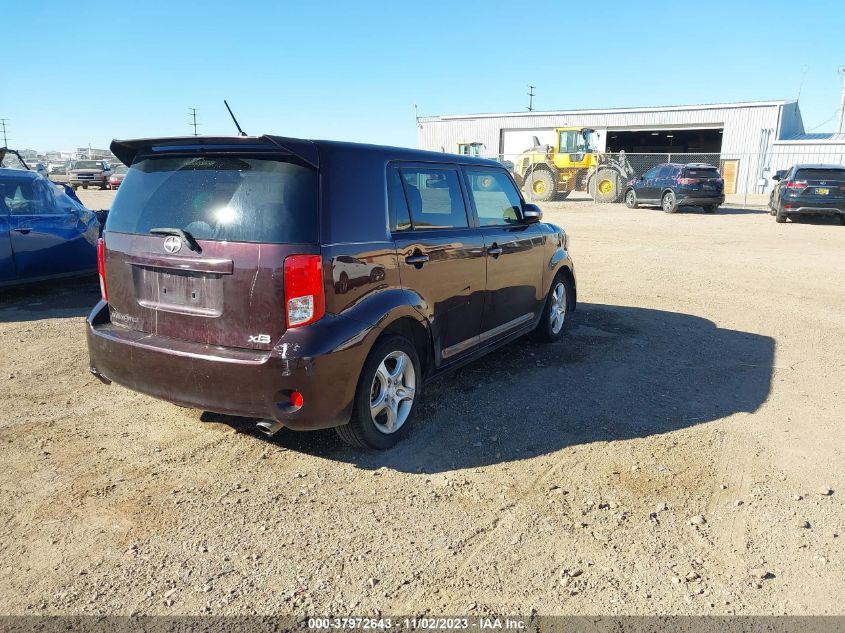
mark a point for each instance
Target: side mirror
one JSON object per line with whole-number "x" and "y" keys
{"x": 531, "y": 214}
{"x": 779, "y": 174}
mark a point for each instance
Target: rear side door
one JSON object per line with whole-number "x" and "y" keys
{"x": 514, "y": 252}
{"x": 441, "y": 254}
{"x": 665, "y": 180}
{"x": 647, "y": 188}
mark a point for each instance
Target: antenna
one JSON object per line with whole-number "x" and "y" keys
{"x": 801, "y": 85}
{"x": 531, "y": 98}
{"x": 194, "y": 123}
{"x": 237, "y": 125}
{"x": 5, "y": 140}
{"x": 842, "y": 104}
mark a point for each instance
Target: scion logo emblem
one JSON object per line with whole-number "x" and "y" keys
{"x": 172, "y": 244}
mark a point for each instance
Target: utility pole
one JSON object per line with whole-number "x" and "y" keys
{"x": 842, "y": 103}
{"x": 531, "y": 98}
{"x": 194, "y": 123}
{"x": 5, "y": 140}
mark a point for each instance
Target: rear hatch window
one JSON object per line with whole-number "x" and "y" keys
{"x": 701, "y": 172}
{"x": 222, "y": 198}
{"x": 820, "y": 174}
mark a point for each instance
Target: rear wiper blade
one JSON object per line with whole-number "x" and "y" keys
{"x": 181, "y": 234}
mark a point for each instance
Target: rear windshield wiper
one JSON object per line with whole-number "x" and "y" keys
{"x": 181, "y": 234}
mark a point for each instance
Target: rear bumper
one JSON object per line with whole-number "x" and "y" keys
{"x": 700, "y": 200}
{"x": 322, "y": 364}
{"x": 814, "y": 208}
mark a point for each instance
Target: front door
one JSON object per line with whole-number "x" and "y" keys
{"x": 441, "y": 257}
{"x": 514, "y": 251}
{"x": 46, "y": 239}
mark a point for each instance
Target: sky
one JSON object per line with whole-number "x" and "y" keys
{"x": 354, "y": 70}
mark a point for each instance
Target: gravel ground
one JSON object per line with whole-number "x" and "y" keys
{"x": 680, "y": 452}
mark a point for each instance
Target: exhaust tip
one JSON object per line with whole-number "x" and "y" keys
{"x": 269, "y": 427}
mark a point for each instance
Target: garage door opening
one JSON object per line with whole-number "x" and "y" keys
{"x": 665, "y": 141}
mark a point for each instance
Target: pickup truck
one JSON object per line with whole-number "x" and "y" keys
{"x": 90, "y": 172}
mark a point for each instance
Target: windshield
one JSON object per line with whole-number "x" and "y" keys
{"x": 575, "y": 141}
{"x": 87, "y": 164}
{"x": 239, "y": 199}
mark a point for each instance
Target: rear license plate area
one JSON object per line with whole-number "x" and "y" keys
{"x": 822, "y": 191}
{"x": 184, "y": 292}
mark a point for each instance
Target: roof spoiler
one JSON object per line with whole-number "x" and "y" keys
{"x": 128, "y": 150}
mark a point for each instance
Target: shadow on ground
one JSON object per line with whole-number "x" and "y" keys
{"x": 621, "y": 373}
{"x": 60, "y": 299}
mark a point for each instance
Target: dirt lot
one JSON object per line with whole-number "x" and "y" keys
{"x": 663, "y": 458}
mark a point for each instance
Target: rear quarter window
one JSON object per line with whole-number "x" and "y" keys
{"x": 239, "y": 199}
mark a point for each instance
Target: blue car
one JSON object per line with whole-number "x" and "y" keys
{"x": 44, "y": 233}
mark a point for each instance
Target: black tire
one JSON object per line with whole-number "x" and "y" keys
{"x": 669, "y": 203}
{"x": 85, "y": 186}
{"x": 362, "y": 430}
{"x": 545, "y": 330}
{"x": 342, "y": 285}
{"x": 710, "y": 208}
{"x": 780, "y": 217}
{"x": 605, "y": 186}
{"x": 842, "y": 219}
{"x": 631, "y": 199}
{"x": 539, "y": 179}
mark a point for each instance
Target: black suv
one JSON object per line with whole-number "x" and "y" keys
{"x": 672, "y": 186}
{"x": 316, "y": 284}
{"x": 809, "y": 190}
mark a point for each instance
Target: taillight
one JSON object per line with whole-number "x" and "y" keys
{"x": 101, "y": 268}
{"x": 304, "y": 300}
{"x": 688, "y": 181}
{"x": 800, "y": 185}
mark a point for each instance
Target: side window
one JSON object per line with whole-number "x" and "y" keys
{"x": 651, "y": 173}
{"x": 397, "y": 205}
{"x": 434, "y": 198}
{"x": 666, "y": 171}
{"x": 22, "y": 197}
{"x": 496, "y": 199}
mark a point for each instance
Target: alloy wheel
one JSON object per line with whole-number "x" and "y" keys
{"x": 392, "y": 392}
{"x": 558, "y": 307}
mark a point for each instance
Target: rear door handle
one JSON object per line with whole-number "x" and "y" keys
{"x": 417, "y": 259}
{"x": 24, "y": 231}
{"x": 495, "y": 250}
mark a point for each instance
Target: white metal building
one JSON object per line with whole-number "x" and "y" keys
{"x": 751, "y": 139}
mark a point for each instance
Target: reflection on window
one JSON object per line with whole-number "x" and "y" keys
{"x": 434, "y": 198}
{"x": 496, "y": 199}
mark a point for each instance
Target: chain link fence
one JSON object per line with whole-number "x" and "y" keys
{"x": 545, "y": 176}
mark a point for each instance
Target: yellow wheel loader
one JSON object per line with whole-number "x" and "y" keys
{"x": 546, "y": 172}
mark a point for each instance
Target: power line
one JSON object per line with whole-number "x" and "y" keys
{"x": 194, "y": 123}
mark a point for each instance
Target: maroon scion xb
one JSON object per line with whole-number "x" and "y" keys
{"x": 315, "y": 284}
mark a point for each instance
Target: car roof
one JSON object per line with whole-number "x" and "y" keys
{"x": 308, "y": 150}
{"x": 20, "y": 173}
{"x": 818, "y": 166}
